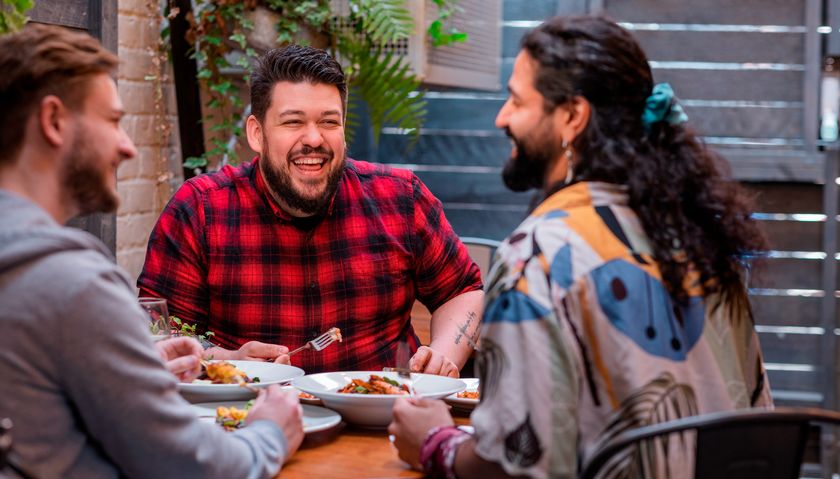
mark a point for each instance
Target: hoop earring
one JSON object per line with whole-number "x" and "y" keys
{"x": 570, "y": 157}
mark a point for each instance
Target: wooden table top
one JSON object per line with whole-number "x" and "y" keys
{"x": 347, "y": 451}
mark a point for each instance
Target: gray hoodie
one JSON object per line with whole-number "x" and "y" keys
{"x": 80, "y": 377}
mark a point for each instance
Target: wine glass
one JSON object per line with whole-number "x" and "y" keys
{"x": 158, "y": 315}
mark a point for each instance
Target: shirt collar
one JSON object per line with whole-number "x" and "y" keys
{"x": 265, "y": 193}
{"x": 585, "y": 193}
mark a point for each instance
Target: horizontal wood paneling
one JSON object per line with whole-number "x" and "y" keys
{"x": 747, "y": 122}
{"x": 529, "y": 9}
{"x": 786, "y": 310}
{"x": 472, "y": 188}
{"x": 794, "y": 380}
{"x": 744, "y": 85}
{"x": 786, "y": 197}
{"x": 495, "y": 225}
{"x": 791, "y": 348}
{"x": 747, "y": 12}
{"x": 722, "y": 46}
{"x": 787, "y": 273}
{"x": 793, "y": 236}
{"x": 449, "y": 149}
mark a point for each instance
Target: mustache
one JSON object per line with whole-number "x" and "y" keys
{"x": 309, "y": 150}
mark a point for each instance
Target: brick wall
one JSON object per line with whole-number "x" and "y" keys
{"x": 145, "y": 183}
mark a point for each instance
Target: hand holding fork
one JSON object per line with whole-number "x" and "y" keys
{"x": 321, "y": 342}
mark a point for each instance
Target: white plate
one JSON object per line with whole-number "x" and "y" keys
{"x": 269, "y": 373}
{"x": 472, "y": 385}
{"x": 314, "y": 418}
{"x": 370, "y": 410}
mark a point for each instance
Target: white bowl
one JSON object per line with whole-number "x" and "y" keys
{"x": 371, "y": 410}
{"x": 269, "y": 373}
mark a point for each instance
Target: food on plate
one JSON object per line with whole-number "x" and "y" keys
{"x": 468, "y": 395}
{"x": 304, "y": 395}
{"x": 375, "y": 385}
{"x": 223, "y": 372}
{"x": 232, "y": 418}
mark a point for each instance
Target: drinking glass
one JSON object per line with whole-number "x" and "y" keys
{"x": 158, "y": 315}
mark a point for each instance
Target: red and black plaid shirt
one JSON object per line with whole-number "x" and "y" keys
{"x": 227, "y": 258}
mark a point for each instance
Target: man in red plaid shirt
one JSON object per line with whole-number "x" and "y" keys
{"x": 301, "y": 239}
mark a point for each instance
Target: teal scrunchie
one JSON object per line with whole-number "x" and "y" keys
{"x": 661, "y": 106}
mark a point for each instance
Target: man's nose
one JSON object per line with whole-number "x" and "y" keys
{"x": 312, "y": 136}
{"x": 502, "y": 117}
{"x": 126, "y": 146}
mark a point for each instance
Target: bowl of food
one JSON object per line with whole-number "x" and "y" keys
{"x": 468, "y": 398}
{"x": 366, "y": 398}
{"x": 228, "y": 380}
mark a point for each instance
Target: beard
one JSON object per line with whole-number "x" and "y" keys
{"x": 84, "y": 179}
{"x": 535, "y": 153}
{"x": 281, "y": 184}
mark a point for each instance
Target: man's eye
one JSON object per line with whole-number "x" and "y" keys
{"x": 292, "y": 122}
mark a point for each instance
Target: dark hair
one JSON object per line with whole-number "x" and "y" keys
{"x": 694, "y": 217}
{"x": 43, "y": 60}
{"x": 294, "y": 63}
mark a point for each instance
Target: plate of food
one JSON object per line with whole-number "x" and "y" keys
{"x": 305, "y": 398}
{"x": 468, "y": 398}
{"x": 365, "y": 398}
{"x": 231, "y": 415}
{"x": 228, "y": 380}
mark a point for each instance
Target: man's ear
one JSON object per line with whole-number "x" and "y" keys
{"x": 52, "y": 120}
{"x": 573, "y": 117}
{"x": 253, "y": 129}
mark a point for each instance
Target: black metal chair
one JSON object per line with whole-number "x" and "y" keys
{"x": 744, "y": 444}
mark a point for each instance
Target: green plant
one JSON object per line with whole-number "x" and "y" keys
{"x": 185, "y": 329}
{"x": 13, "y": 14}
{"x": 362, "y": 38}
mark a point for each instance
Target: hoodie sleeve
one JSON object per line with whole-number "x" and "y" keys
{"x": 128, "y": 401}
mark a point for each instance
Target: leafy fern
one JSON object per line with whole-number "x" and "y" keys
{"x": 13, "y": 14}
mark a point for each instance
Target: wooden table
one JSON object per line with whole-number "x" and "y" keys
{"x": 347, "y": 451}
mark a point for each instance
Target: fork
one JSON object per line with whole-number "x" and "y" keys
{"x": 403, "y": 368}
{"x": 320, "y": 342}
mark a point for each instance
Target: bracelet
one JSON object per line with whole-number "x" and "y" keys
{"x": 437, "y": 455}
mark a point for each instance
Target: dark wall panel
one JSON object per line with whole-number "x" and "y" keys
{"x": 747, "y": 122}
{"x": 743, "y": 85}
{"x": 68, "y": 13}
{"x": 722, "y": 46}
{"x": 786, "y": 310}
{"x": 747, "y": 12}
{"x": 787, "y": 273}
{"x": 447, "y": 149}
{"x": 489, "y": 224}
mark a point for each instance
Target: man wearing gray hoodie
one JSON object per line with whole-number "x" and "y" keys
{"x": 87, "y": 391}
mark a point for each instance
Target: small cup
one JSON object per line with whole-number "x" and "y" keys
{"x": 158, "y": 315}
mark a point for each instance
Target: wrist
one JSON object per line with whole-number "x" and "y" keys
{"x": 437, "y": 455}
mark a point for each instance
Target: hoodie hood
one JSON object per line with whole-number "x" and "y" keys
{"x": 28, "y": 233}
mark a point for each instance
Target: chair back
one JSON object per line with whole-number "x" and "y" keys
{"x": 481, "y": 251}
{"x": 744, "y": 444}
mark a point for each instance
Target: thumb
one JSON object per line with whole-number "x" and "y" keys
{"x": 420, "y": 359}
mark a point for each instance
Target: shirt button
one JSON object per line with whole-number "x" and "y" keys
{"x": 313, "y": 285}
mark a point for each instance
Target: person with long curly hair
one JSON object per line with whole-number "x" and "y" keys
{"x": 620, "y": 300}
